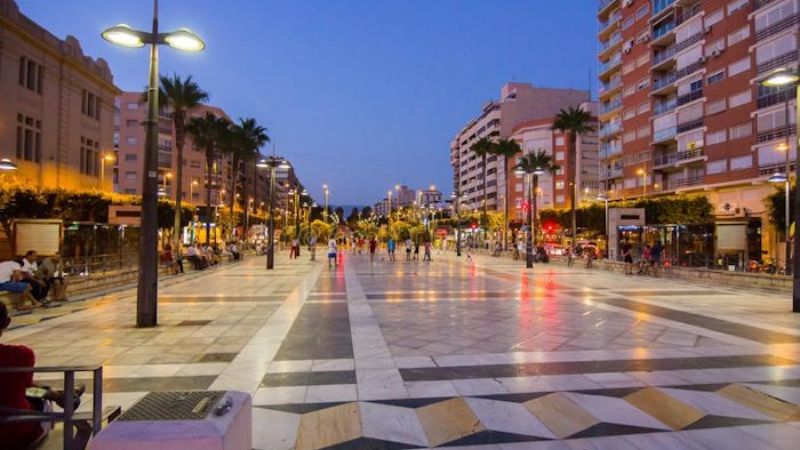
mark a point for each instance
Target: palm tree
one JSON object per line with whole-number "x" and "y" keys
{"x": 536, "y": 164}
{"x": 506, "y": 148}
{"x": 255, "y": 136}
{"x": 483, "y": 148}
{"x": 575, "y": 122}
{"x": 206, "y": 133}
{"x": 181, "y": 96}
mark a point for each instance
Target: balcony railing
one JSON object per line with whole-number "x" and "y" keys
{"x": 664, "y": 55}
{"x": 658, "y": 32}
{"x": 688, "y": 14}
{"x": 614, "y": 62}
{"x": 758, "y": 4}
{"x": 607, "y": 150}
{"x": 773, "y": 99}
{"x": 663, "y": 135}
{"x": 691, "y": 40}
{"x": 690, "y": 97}
{"x": 690, "y": 125}
{"x": 691, "y": 68}
{"x": 613, "y": 172}
{"x": 667, "y": 106}
{"x": 660, "y": 5}
{"x": 777, "y": 27}
{"x": 775, "y": 134}
{"x": 611, "y": 42}
{"x": 604, "y": 4}
{"x": 610, "y": 129}
{"x": 688, "y": 181}
{"x": 672, "y": 158}
{"x": 612, "y": 19}
{"x": 611, "y": 106}
{"x": 777, "y": 62}
{"x": 664, "y": 80}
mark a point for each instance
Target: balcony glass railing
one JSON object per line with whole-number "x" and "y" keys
{"x": 667, "y": 106}
{"x": 612, "y": 19}
{"x": 610, "y": 129}
{"x": 664, "y": 80}
{"x": 604, "y": 3}
{"x": 615, "y": 39}
{"x": 660, "y": 5}
{"x": 662, "y": 135}
{"x": 607, "y": 150}
{"x": 614, "y": 62}
{"x": 663, "y": 29}
{"x": 611, "y": 106}
{"x": 613, "y": 84}
{"x": 663, "y": 55}
{"x": 690, "y": 97}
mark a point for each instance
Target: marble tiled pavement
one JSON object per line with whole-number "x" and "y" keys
{"x": 456, "y": 354}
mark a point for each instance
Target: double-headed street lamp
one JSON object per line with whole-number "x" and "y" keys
{"x": 184, "y": 40}
{"x": 787, "y": 78}
{"x": 531, "y": 173}
{"x": 272, "y": 163}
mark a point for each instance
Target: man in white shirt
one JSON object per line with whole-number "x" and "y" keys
{"x": 29, "y": 268}
{"x": 10, "y": 276}
{"x": 332, "y": 253}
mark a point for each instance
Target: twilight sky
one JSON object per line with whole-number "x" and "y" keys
{"x": 359, "y": 94}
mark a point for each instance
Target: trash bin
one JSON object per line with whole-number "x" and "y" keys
{"x": 197, "y": 420}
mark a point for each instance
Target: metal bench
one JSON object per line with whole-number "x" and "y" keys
{"x": 78, "y": 427}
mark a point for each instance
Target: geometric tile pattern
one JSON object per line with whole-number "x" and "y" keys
{"x": 476, "y": 420}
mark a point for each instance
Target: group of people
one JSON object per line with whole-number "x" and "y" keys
{"x": 30, "y": 281}
{"x": 204, "y": 256}
{"x": 649, "y": 260}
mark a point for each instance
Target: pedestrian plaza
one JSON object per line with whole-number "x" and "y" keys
{"x": 479, "y": 354}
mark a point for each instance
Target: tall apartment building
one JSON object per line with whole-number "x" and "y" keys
{"x": 519, "y": 103}
{"x": 554, "y": 189}
{"x": 56, "y": 107}
{"x": 683, "y": 110}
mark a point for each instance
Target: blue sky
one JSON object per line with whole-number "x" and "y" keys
{"x": 359, "y": 94}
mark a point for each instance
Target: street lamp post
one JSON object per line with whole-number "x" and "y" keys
{"x": 103, "y": 159}
{"x": 325, "y": 211}
{"x": 272, "y": 163}
{"x": 181, "y": 39}
{"x": 787, "y": 78}
{"x": 643, "y": 173}
{"x": 532, "y": 179}
{"x": 389, "y": 192}
{"x": 604, "y": 198}
{"x": 191, "y": 190}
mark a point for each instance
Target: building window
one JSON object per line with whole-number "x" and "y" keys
{"x": 29, "y": 138}
{"x": 643, "y": 107}
{"x": 559, "y": 184}
{"x": 641, "y": 12}
{"x": 740, "y": 131}
{"x": 742, "y": 162}
{"x": 715, "y": 107}
{"x": 130, "y": 176}
{"x": 717, "y": 166}
{"x": 132, "y": 106}
{"x": 740, "y": 99}
{"x": 131, "y": 123}
{"x": 629, "y": 114}
{"x": 90, "y": 104}
{"x": 715, "y": 47}
{"x": 643, "y": 60}
{"x": 716, "y": 77}
{"x": 739, "y": 66}
{"x": 643, "y": 83}
{"x": 716, "y": 137}
{"x": 131, "y": 156}
{"x": 643, "y": 132}
{"x": 131, "y": 140}
{"x": 560, "y": 140}
{"x": 31, "y": 75}
{"x": 739, "y": 35}
{"x": 714, "y": 17}
{"x": 559, "y": 156}
{"x": 90, "y": 157}
{"x": 736, "y": 5}
{"x": 560, "y": 198}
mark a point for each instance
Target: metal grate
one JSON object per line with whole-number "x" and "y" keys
{"x": 174, "y": 405}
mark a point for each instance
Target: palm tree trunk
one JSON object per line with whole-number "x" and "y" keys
{"x": 505, "y": 204}
{"x": 179, "y": 133}
{"x": 234, "y": 179}
{"x": 485, "y": 220}
{"x": 574, "y": 175}
{"x": 209, "y": 168}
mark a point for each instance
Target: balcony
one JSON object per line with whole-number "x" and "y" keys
{"x": 607, "y": 150}
{"x": 689, "y": 126}
{"x": 608, "y": 25}
{"x": 663, "y": 31}
{"x": 777, "y": 62}
{"x": 610, "y": 129}
{"x": 688, "y": 14}
{"x": 664, "y": 81}
{"x": 610, "y": 65}
{"x": 774, "y": 99}
{"x": 661, "y": 5}
{"x": 607, "y": 88}
{"x": 777, "y": 27}
{"x": 688, "y": 42}
{"x": 605, "y": 5}
{"x": 691, "y": 68}
{"x": 611, "y": 106}
{"x": 660, "y": 161}
{"x": 690, "y": 97}
{"x": 664, "y": 135}
{"x": 666, "y": 55}
{"x": 615, "y": 40}
{"x": 758, "y": 4}
{"x": 614, "y": 172}
{"x": 775, "y": 133}
{"x": 685, "y": 182}
{"x": 665, "y": 107}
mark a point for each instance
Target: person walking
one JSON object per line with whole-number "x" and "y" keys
{"x": 373, "y": 247}
{"x": 333, "y": 260}
{"x": 655, "y": 256}
{"x": 627, "y": 257}
{"x": 312, "y": 247}
{"x": 427, "y": 256}
{"x": 390, "y": 248}
{"x": 416, "y": 249}
{"x": 408, "y": 249}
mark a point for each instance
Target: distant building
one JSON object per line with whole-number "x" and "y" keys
{"x": 518, "y": 103}
{"x": 56, "y": 107}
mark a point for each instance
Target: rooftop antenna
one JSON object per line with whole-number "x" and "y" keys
{"x": 590, "y": 84}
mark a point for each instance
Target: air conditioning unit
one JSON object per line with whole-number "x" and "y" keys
{"x": 628, "y": 3}
{"x": 707, "y": 29}
{"x": 626, "y": 49}
{"x": 716, "y": 53}
{"x": 646, "y": 38}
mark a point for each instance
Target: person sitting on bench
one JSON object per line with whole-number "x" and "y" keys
{"x": 20, "y": 394}
{"x": 51, "y": 271}
{"x": 29, "y": 269}
{"x": 10, "y": 281}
